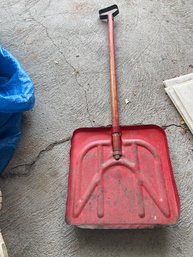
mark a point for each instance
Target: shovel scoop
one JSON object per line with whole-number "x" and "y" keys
{"x": 121, "y": 176}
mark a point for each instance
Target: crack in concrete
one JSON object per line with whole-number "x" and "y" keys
{"x": 86, "y": 98}
{"x": 171, "y": 125}
{"x": 48, "y": 5}
{"x": 27, "y": 166}
{"x": 31, "y": 4}
{"x": 75, "y": 71}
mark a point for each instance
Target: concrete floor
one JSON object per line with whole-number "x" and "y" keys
{"x": 63, "y": 46}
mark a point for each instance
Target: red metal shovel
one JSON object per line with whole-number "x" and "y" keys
{"x": 120, "y": 176}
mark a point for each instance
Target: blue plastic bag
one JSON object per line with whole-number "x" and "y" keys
{"x": 16, "y": 96}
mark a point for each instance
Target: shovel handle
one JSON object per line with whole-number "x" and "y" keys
{"x": 107, "y": 13}
{"x": 103, "y": 13}
{"x": 113, "y": 80}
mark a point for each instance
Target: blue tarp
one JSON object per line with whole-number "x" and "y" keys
{"x": 16, "y": 96}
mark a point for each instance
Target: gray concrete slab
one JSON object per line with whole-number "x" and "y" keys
{"x": 63, "y": 46}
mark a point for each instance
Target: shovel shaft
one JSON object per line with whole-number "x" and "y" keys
{"x": 116, "y": 135}
{"x": 113, "y": 81}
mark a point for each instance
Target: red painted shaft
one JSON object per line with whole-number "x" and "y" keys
{"x": 116, "y": 135}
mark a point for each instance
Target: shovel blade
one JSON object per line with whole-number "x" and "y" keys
{"x": 137, "y": 191}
